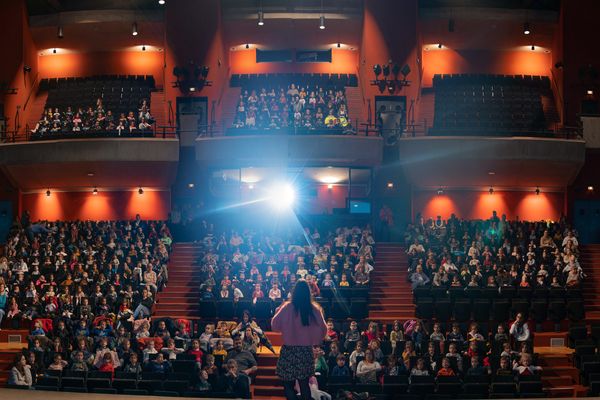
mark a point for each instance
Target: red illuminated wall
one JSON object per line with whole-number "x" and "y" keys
{"x": 448, "y": 61}
{"x": 103, "y": 206}
{"x": 117, "y": 62}
{"x": 244, "y": 62}
{"x": 479, "y": 205}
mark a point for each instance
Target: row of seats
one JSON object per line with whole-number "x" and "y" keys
{"x": 489, "y": 103}
{"x": 284, "y": 79}
{"x": 505, "y": 292}
{"x": 481, "y": 310}
{"x": 472, "y": 387}
{"x": 97, "y": 80}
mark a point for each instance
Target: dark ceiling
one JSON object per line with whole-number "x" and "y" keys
{"x": 43, "y": 7}
{"x": 541, "y": 5}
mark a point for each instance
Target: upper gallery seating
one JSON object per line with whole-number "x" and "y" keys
{"x": 476, "y": 104}
{"x": 96, "y": 106}
{"x": 304, "y": 103}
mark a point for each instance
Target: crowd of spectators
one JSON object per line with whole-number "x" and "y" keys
{"x": 253, "y": 265}
{"x": 307, "y": 107}
{"x": 494, "y": 253}
{"x": 93, "y": 119}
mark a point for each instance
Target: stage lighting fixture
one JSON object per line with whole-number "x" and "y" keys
{"x": 526, "y": 29}
{"x": 60, "y": 33}
{"x": 134, "y": 30}
{"x": 440, "y": 191}
{"x": 204, "y": 71}
{"x": 396, "y": 70}
{"x": 532, "y": 47}
{"x": 261, "y": 18}
{"x": 391, "y": 86}
{"x": 322, "y": 22}
{"x": 282, "y": 196}
{"x": 48, "y": 192}
{"x": 54, "y": 51}
{"x": 537, "y": 191}
{"x": 143, "y": 48}
{"x": 377, "y": 70}
{"x": 192, "y": 88}
{"x": 161, "y": 2}
{"x": 140, "y": 191}
{"x": 491, "y": 190}
{"x": 95, "y": 191}
{"x": 405, "y": 70}
{"x": 386, "y": 70}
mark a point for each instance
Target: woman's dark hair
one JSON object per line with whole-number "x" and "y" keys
{"x": 17, "y": 362}
{"x": 302, "y": 301}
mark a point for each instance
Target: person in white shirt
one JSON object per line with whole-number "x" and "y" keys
{"x": 520, "y": 330}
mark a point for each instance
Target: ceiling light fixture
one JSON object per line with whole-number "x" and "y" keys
{"x": 95, "y": 191}
{"x": 59, "y": 32}
{"x": 440, "y": 191}
{"x": 590, "y": 188}
{"x": 161, "y": 2}
{"x": 590, "y": 92}
{"x": 390, "y": 185}
{"x": 526, "y": 29}
{"x": 190, "y": 185}
{"x": 261, "y": 18}
{"x": 134, "y": 30}
{"x": 322, "y": 22}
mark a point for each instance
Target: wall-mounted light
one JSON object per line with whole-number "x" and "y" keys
{"x": 339, "y": 45}
{"x": 322, "y": 22}
{"x": 140, "y": 190}
{"x": 48, "y": 192}
{"x": 134, "y": 30}
{"x": 526, "y": 28}
{"x": 590, "y": 188}
{"x": 247, "y": 46}
{"x": 537, "y": 191}
{"x": 161, "y": 2}
{"x": 491, "y": 190}
{"x": 532, "y": 47}
{"x": 144, "y": 48}
{"x": 440, "y": 191}
{"x": 390, "y": 185}
{"x": 590, "y": 92}
{"x": 440, "y": 45}
{"x": 190, "y": 185}
{"x": 60, "y": 33}
{"x": 53, "y": 51}
{"x": 95, "y": 191}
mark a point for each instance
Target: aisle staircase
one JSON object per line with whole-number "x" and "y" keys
{"x": 159, "y": 111}
{"x": 181, "y": 297}
{"x": 590, "y": 262}
{"x": 391, "y": 294}
{"x": 356, "y": 107}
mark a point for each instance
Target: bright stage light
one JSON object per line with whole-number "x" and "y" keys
{"x": 282, "y": 196}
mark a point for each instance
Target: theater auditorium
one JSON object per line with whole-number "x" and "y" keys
{"x": 296, "y": 199}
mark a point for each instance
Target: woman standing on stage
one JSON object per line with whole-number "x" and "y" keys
{"x": 302, "y": 326}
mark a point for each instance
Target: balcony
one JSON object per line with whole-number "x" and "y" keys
{"x": 80, "y": 163}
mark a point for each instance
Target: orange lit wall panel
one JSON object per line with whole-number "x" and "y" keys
{"x": 479, "y": 205}
{"x": 103, "y": 206}
{"x": 109, "y": 63}
{"x": 448, "y": 61}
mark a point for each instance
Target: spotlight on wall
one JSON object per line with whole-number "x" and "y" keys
{"x": 440, "y": 45}
{"x": 134, "y": 30}
{"x": 390, "y": 185}
{"x": 590, "y": 92}
{"x": 491, "y": 191}
{"x": 144, "y": 48}
{"x": 247, "y": 46}
{"x": 161, "y": 2}
{"x": 537, "y": 191}
{"x": 191, "y": 185}
{"x": 526, "y": 29}
{"x": 95, "y": 191}
{"x": 339, "y": 45}
{"x": 192, "y": 88}
{"x": 532, "y": 47}
{"x": 53, "y": 51}
{"x": 59, "y": 32}
{"x": 590, "y": 188}
{"x": 440, "y": 191}
{"x": 140, "y": 190}
{"x": 261, "y": 18}
{"x": 386, "y": 70}
{"x": 322, "y": 22}
{"x": 48, "y": 192}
